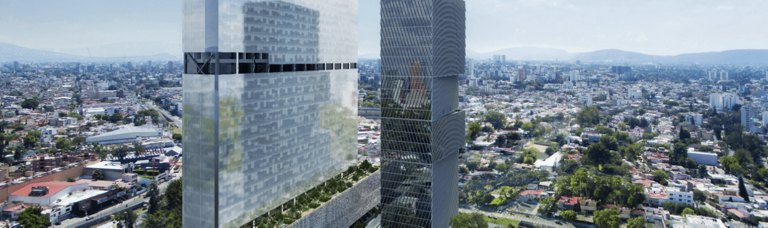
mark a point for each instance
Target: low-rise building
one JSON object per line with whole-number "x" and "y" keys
{"x": 44, "y": 193}
{"x": 703, "y": 158}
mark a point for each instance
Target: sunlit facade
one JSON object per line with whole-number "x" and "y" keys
{"x": 270, "y": 103}
{"x": 422, "y": 54}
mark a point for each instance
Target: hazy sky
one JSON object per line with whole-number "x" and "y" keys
{"x": 144, "y": 27}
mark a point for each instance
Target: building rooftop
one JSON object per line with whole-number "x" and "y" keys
{"x": 53, "y": 188}
{"x": 78, "y": 196}
{"x": 106, "y": 165}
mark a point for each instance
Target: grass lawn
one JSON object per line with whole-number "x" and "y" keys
{"x": 502, "y": 221}
{"x": 541, "y": 155}
{"x": 175, "y": 130}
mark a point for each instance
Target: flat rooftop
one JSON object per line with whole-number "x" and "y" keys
{"x": 53, "y": 188}
{"x": 78, "y": 196}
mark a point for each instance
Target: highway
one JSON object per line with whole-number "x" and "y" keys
{"x": 175, "y": 119}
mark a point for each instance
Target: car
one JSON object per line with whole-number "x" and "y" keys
{"x": 88, "y": 218}
{"x": 559, "y": 223}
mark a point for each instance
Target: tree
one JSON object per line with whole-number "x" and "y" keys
{"x": 607, "y": 218}
{"x": 660, "y": 176}
{"x": 638, "y": 222}
{"x": 497, "y": 119}
{"x": 31, "y": 139}
{"x": 569, "y": 215}
{"x": 743, "y": 189}
{"x": 30, "y": 103}
{"x": 731, "y": 165}
{"x": 688, "y": 211}
{"x": 154, "y": 198}
{"x": 679, "y": 154}
{"x": 177, "y": 137}
{"x": 684, "y": 134}
{"x": 97, "y": 175}
{"x": 63, "y": 144}
{"x": 138, "y": 148}
{"x": 32, "y": 217}
{"x": 473, "y": 130}
{"x": 699, "y": 196}
{"x": 588, "y": 117}
{"x": 173, "y": 196}
{"x": 114, "y": 118}
{"x": 598, "y": 154}
{"x": 474, "y": 220}
{"x": 128, "y": 218}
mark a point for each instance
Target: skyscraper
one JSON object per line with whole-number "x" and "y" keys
{"x": 270, "y": 103}
{"x": 422, "y": 54}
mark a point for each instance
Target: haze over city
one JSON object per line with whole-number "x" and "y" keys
{"x": 114, "y": 28}
{"x": 383, "y": 113}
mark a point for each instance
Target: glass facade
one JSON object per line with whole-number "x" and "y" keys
{"x": 422, "y": 54}
{"x": 271, "y": 89}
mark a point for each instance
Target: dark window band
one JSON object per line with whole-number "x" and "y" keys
{"x": 248, "y": 63}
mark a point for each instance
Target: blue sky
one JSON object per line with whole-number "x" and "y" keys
{"x": 145, "y": 27}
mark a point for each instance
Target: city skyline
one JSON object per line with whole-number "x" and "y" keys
{"x": 651, "y": 27}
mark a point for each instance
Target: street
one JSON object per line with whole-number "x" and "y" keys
{"x": 104, "y": 215}
{"x": 175, "y": 119}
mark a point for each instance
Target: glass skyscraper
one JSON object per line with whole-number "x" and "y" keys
{"x": 422, "y": 54}
{"x": 270, "y": 103}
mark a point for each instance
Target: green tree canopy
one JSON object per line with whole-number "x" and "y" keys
{"x": 638, "y": 222}
{"x": 30, "y": 103}
{"x": 588, "y": 117}
{"x": 474, "y": 220}
{"x": 32, "y": 217}
{"x": 660, "y": 176}
{"x": 497, "y": 119}
{"x": 688, "y": 211}
{"x": 473, "y": 130}
{"x": 569, "y": 215}
{"x": 607, "y": 218}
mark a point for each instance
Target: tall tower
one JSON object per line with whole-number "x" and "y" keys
{"x": 422, "y": 54}
{"x": 270, "y": 103}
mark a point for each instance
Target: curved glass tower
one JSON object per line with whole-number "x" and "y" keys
{"x": 422, "y": 54}
{"x": 270, "y": 103}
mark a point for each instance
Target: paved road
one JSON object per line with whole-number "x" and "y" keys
{"x": 105, "y": 214}
{"x": 531, "y": 219}
{"x": 175, "y": 119}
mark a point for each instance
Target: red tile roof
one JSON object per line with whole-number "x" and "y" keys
{"x": 531, "y": 192}
{"x": 53, "y": 188}
{"x": 569, "y": 200}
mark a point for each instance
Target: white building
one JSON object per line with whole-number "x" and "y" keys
{"x": 723, "y": 75}
{"x": 697, "y": 221}
{"x": 703, "y": 158}
{"x": 635, "y": 94}
{"x": 45, "y": 193}
{"x": 747, "y": 123}
{"x": 694, "y": 118}
{"x": 679, "y": 197}
{"x": 765, "y": 118}
{"x": 124, "y": 135}
{"x": 723, "y": 101}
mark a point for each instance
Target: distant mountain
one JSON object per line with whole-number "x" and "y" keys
{"x": 525, "y": 53}
{"x": 732, "y": 57}
{"x": 754, "y": 57}
{"x": 10, "y": 53}
{"x": 614, "y": 56}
